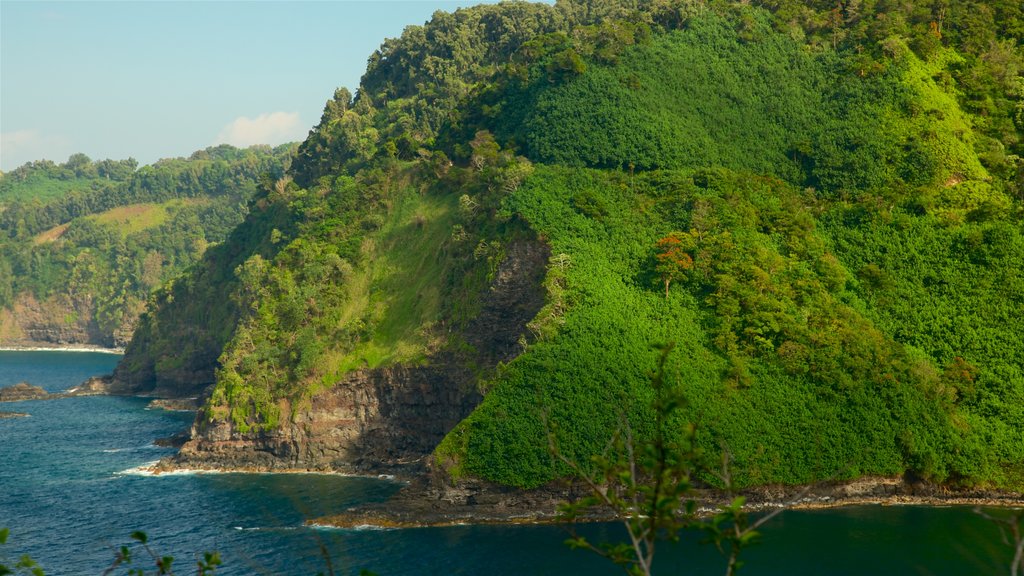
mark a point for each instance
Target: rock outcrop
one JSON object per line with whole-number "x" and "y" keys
{"x": 12, "y": 415}
{"x": 386, "y": 420}
{"x": 57, "y": 321}
{"x": 175, "y": 404}
{"x": 22, "y": 391}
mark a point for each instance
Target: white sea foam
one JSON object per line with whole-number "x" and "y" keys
{"x": 357, "y": 528}
{"x": 149, "y": 469}
{"x": 131, "y": 449}
{"x": 141, "y": 470}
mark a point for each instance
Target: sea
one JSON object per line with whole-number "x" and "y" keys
{"x": 72, "y": 491}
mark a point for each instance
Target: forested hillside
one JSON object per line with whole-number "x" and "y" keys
{"x": 820, "y": 204}
{"x": 83, "y": 243}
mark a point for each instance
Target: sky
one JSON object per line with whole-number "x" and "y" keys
{"x": 152, "y": 79}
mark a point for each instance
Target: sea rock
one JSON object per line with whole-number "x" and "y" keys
{"x": 22, "y": 391}
{"x": 100, "y": 385}
{"x": 175, "y": 404}
{"x": 175, "y": 441}
{"x": 12, "y": 415}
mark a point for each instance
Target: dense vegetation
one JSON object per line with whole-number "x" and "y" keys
{"x": 819, "y": 204}
{"x": 90, "y": 240}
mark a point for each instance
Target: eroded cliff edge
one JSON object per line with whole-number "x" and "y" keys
{"x": 386, "y": 420}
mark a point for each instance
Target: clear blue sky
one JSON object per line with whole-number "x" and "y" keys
{"x": 151, "y": 79}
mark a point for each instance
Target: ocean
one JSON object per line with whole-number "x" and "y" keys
{"x": 71, "y": 494}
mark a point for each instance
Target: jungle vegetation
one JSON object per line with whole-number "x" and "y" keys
{"x": 818, "y": 203}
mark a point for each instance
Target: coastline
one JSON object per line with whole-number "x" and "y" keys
{"x": 167, "y": 467}
{"x": 421, "y": 504}
{"x": 417, "y": 506}
{"x": 357, "y": 519}
{"x": 62, "y": 348}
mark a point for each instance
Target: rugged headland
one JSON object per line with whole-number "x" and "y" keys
{"x": 484, "y": 252}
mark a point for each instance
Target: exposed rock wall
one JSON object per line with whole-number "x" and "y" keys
{"x": 57, "y": 321}
{"x": 375, "y": 420}
{"x": 387, "y": 419}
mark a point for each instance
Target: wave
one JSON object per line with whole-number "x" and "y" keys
{"x": 356, "y": 528}
{"x": 149, "y": 469}
{"x": 150, "y": 446}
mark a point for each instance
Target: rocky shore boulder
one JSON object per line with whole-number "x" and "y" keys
{"x": 175, "y": 404}
{"x": 22, "y": 391}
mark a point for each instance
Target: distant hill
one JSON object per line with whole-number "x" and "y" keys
{"x": 83, "y": 243}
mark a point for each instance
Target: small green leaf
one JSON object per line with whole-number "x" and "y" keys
{"x": 4, "y": 532}
{"x": 140, "y": 536}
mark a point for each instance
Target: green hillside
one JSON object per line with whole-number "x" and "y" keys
{"x": 823, "y": 215}
{"x": 83, "y": 243}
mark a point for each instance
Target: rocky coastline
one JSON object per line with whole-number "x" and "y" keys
{"x": 426, "y": 502}
{"x": 421, "y": 504}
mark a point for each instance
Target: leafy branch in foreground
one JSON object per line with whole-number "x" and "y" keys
{"x": 24, "y": 565}
{"x": 125, "y": 556}
{"x": 1011, "y": 529}
{"x": 204, "y": 567}
{"x": 649, "y": 486}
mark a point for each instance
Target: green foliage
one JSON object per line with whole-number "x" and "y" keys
{"x": 25, "y": 564}
{"x": 649, "y": 487}
{"x": 115, "y": 241}
{"x": 782, "y": 364}
{"x": 848, "y": 179}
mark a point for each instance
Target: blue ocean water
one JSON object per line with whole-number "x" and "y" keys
{"x": 69, "y": 499}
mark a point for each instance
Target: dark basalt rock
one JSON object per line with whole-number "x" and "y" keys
{"x": 176, "y": 441}
{"x": 175, "y": 404}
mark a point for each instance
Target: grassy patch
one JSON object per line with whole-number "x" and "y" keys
{"x": 137, "y": 217}
{"x": 51, "y": 234}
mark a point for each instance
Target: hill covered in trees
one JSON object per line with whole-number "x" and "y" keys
{"x": 819, "y": 204}
{"x": 83, "y": 243}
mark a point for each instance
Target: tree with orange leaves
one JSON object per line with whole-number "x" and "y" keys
{"x": 673, "y": 256}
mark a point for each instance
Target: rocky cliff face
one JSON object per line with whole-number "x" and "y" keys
{"x": 375, "y": 420}
{"x": 60, "y": 320}
{"x": 387, "y": 419}
{"x": 187, "y": 376}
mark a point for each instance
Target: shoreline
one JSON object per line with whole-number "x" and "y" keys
{"x": 420, "y": 505}
{"x": 165, "y": 467}
{"x": 59, "y": 348}
{"x": 356, "y": 519}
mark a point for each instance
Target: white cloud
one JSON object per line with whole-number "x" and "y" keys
{"x": 22, "y": 146}
{"x": 272, "y": 128}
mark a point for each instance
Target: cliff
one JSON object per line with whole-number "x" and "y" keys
{"x": 58, "y": 321}
{"x": 387, "y": 419}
